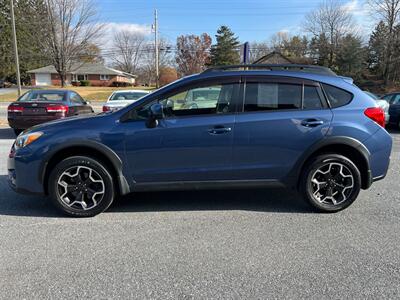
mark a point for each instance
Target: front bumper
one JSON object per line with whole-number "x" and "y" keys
{"x": 23, "y": 173}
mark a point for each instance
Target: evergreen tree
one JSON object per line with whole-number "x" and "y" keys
{"x": 320, "y": 50}
{"x": 376, "y": 48}
{"x": 29, "y": 15}
{"x": 351, "y": 56}
{"x": 226, "y": 50}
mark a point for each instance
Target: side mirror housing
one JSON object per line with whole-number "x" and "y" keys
{"x": 156, "y": 112}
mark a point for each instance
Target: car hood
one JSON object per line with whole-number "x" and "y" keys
{"x": 80, "y": 120}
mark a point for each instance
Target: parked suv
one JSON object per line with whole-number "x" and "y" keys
{"x": 295, "y": 126}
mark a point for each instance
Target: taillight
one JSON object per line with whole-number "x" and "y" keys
{"x": 57, "y": 109}
{"x": 106, "y": 108}
{"x": 15, "y": 109}
{"x": 376, "y": 114}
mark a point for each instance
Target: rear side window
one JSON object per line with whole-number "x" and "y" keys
{"x": 312, "y": 99}
{"x": 272, "y": 96}
{"x": 337, "y": 97}
{"x": 396, "y": 99}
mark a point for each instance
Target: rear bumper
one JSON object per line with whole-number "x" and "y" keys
{"x": 380, "y": 147}
{"x": 24, "y": 122}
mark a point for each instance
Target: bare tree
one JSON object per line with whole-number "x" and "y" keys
{"x": 127, "y": 46}
{"x": 280, "y": 40}
{"x": 332, "y": 21}
{"x": 388, "y": 11}
{"x": 71, "y": 28}
{"x": 258, "y": 50}
{"x": 193, "y": 53}
{"x": 147, "y": 66}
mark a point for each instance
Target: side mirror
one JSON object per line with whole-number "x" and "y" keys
{"x": 156, "y": 112}
{"x": 86, "y": 102}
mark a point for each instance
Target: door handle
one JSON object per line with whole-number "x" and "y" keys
{"x": 312, "y": 123}
{"x": 218, "y": 130}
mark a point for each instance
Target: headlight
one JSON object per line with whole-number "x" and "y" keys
{"x": 27, "y": 138}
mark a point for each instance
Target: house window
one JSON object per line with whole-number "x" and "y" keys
{"x": 79, "y": 77}
{"x": 104, "y": 77}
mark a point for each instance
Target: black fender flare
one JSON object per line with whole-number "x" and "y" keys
{"x": 294, "y": 174}
{"x": 113, "y": 158}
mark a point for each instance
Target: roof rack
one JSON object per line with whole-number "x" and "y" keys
{"x": 275, "y": 67}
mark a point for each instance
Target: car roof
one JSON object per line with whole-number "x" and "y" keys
{"x": 131, "y": 91}
{"x": 51, "y": 91}
{"x": 328, "y": 79}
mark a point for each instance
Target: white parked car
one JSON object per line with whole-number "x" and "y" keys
{"x": 382, "y": 103}
{"x": 120, "y": 99}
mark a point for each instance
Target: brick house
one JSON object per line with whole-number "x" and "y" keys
{"x": 97, "y": 74}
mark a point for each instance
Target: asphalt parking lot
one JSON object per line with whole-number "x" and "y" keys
{"x": 212, "y": 244}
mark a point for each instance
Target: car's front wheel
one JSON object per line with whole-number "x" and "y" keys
{"x": 330, "y": 182}
{"x": 81, "y": 186}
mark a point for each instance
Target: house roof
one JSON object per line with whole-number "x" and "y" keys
{"x": 270, "y": 55}
{"x": 85, "y": 68}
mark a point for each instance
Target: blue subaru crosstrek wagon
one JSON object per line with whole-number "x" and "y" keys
{"x": 253, "y": 126}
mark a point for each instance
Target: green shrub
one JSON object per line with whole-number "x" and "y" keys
{"x": 85, "y": 83}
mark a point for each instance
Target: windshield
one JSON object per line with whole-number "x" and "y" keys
{"x": 373, "y": 96}
{"x": 42, "y": 96}
{"x": 128, "y": 95}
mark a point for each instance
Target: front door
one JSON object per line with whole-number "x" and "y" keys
{"x": 281, "y": 119}
{"x": 194, "y": 140}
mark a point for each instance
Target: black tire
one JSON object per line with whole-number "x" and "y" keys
{"x": 17, "y": 131}
{"x": 308, "y": 187}
{"x": 85, "y": 163}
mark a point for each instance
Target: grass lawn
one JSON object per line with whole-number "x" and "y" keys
{"x": 90, "y": 93}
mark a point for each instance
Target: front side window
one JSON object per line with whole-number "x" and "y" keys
{"x": 75, "y": 98}
{"x": 272, "y": 96}
{"x": 215, "y": 99}
{"x": 205, "y": 100}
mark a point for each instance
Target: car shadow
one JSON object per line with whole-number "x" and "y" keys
{"x": 7, "y": 133}
{"x": 392, "y": 130}
{"x": 272, "y": 200}
{"x": 261, "y": 200}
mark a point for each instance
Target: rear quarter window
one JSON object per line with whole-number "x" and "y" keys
{"x": 336, "y": 96}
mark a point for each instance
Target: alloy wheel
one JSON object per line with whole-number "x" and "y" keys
{"x": 81, "y": 187}
{"x": 332, "y": 183}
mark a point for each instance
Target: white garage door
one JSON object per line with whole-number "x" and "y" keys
{"x": 43, "y": 79}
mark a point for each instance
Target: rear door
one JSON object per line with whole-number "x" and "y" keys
{"x": 78, "y": 105}
{"x": 279, "y": 120}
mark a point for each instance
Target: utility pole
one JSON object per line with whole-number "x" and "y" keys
{"x": 14, "y": 32}
{"x": 157, "y": 57}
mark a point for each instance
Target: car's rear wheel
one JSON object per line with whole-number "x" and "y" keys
{"x": 81, "y": 186}
{"x": 330, "y": 182}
